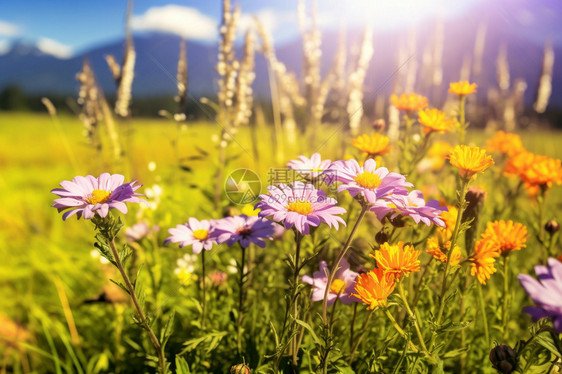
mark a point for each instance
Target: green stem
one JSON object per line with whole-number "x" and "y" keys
{"x": 136, "y": 303}
{"x": 399, "y": 329}
{"x": 241, "y": 300}
{"x": 483, "y": 311}
{"x": 352, "y": 326}
{"x": 358, "y": 341}
{"x": 295, "y": 296}
{"x": 454, "y": 237}
{"x": 505, "y": 312}
{"x": 462, "y": 120}
{"x": 412, "y": 317}
{"x": 341, "y": 255}
{"x": 204, "y": 289}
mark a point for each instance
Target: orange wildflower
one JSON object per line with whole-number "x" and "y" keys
{"x": 462, "y": 88}
{"x": 483, "y": 259}
{"x": 506, "y": 236}
{"x": 408, "y": 102}
{"x": 470, "y": 160}
{"x": 373, "y": 145}
{"x": 536, "y": 171}
{"x": 434, "y": 120}
{"x": 506, "y": 143}
{"x": 373, "y": 288}
{"x": 397, "y": 260}
{"x": 434, "y": 249}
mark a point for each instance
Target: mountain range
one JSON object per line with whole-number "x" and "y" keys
{"x": 39, "y": 73}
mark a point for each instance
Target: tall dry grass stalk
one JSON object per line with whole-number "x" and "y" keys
{"x": 285, "y": 93}
{"x": 88, "y": 100}
{"x": 311, "y": 43}
{"x": 356, "y": 81}
{"x": 479, "y": 43}
{"x": 182, "y": 79}
{"x": 502, "y": 69}
{"x": 95, "y": 110}
{"x": 412, "y": 66}
{"x": 545, "y": 83}
{"x": 124, "y": 75}
{"x": 235, "y": 96}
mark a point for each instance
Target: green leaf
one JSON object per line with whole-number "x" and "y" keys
{"x": 121, "y": 285}
{"x": 309, "y": 328}
{"x": 545, "y": 340}
{"x": 181, "y": 366}
{"x": 455, "y": 352}
{"x": 211, "y": 340}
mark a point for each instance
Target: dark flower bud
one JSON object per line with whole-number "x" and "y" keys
{"x": 552, "y": 226}
{"x": 381, "y": 237}
{"x": 240, "y": 369}
{"x": 503, "y": 359}
{"x": 475, "y": 198}
{"x": 398, "y": 222}
{"x": 379, "y": 124}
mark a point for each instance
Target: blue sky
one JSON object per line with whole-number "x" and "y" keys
{"x": 66, "y": 27}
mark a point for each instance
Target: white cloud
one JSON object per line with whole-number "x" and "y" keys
{"x": 52, "y": 47}
{"x": 186, "y": 22}
{"x": 9, "y": 29}
{"x": 270, "y": 18}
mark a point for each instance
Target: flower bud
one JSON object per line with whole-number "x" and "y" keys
{"x": 552, "y": 226}
{"x": 381, "y": 237}
{"x": 379, "y": 124}
{"x": 240, "y": 369}
{"x": 475, "y": 198}
{"x": 503, "y": 359}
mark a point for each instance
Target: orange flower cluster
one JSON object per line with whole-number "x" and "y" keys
{"x": 409, "y": 102}
{"x": 507, "y": 236}
{"x": 436, "y": 250}
{"x": 536, "y": 171}
{"x": 462, "y": 88}
{"x": 483, "y": 259}
{"x": 393, "y": 263}
{"x": 470, "y": 160}
{"x": 434, "y": 120}
{"x": 373, "y": 145}
{"x": 506, "y": 143}
{"x": 499, "y": 239}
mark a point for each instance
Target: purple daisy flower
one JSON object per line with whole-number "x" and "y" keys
{"x": 367, "y": 181}
{"x": 244, "y": 229}
{"x": 309, "y": 167}
{"x": 300, "y": 205}
{"x": 86, "y": 196}
{"x": 546, "y": 293}
{"x": 139, "y": 230}
{"x": 198, "y": 234}
{"x": 414, "y": 205}
{"x": 343, "y": 284}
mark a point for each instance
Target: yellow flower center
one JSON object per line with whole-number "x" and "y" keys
{"x": 391, "y": 205}
{"x": 300, "y": 207}
{"x": 337, "y": 286}
{"x": 368, "y": 180}
{"x": 98, "y": 197}
{"x": 200, "y": 234}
